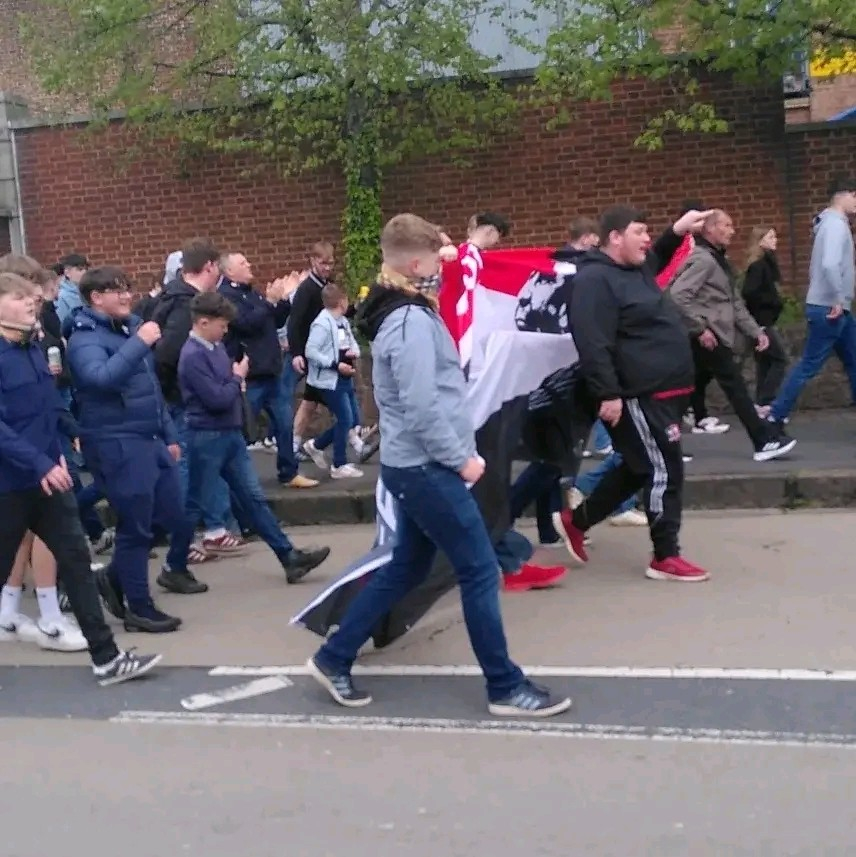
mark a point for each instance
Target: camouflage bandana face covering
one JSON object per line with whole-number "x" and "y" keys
{"x": 430, "y": 285}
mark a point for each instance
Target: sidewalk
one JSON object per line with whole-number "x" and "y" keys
{"x": 820, "y": 472}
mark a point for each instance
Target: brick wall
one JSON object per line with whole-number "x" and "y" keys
{"x": 79, "y": 193}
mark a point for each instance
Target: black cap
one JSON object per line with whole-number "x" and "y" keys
{"x": 74, "y": 260}
{"x": 842, "y": 184}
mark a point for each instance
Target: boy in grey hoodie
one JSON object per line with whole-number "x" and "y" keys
{"x": 428, "y": 458}
{"x": 832, "y": 279}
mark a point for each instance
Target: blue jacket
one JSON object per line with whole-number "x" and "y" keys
{"x": 254, "y": 330}
{"x": 30, "y": 412}
{"x": 328, "y": 338}
{"x": 116, "y": 389}
{"x": 211, "y": 392}
{"x": 68, "y": 299}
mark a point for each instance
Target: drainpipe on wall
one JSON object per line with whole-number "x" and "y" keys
{"x": 19, "y": 236}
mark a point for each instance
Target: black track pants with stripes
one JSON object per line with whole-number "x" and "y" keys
{"x": 648, "y": 439}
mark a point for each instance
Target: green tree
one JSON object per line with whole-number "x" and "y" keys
{"x": 670, "y": 40}
{"x": 359, "y": 84}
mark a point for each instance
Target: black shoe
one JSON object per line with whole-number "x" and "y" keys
{"x": 339, "y": 685}
{"x": 776, "y": 447}
{"x": 529, "y": 700}
{"x": 299, "y": 563}
{"x": 110, "y": 592}
{"x": 180, "y": 582}
{"x": 147, "y": 618}
{"x": 124, "y": 667}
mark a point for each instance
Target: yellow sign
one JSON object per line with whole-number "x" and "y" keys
{"x": 826, "y": 66}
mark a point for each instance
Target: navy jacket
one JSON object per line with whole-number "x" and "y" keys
{"x": 116, "y": 389}
{"x": 254, "y": 330}
{"x": 30, "y": 413}
{"x": 211, "y": 393}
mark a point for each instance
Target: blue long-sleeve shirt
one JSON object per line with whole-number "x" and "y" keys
{"x": 30, "y": 413}
{"x": 209, "y": 389}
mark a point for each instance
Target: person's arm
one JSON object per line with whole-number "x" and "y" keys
{"x": 663, "y": 249}
{"x": 91, "y": 366}
{"x": 299, "y": 321}
{"x": 595, "y": 306}
{"x": 217, "y": 394}
{"x": 412, "y": 360}
{"x": 21, "y": 453}
{"x": 685, "y": 290}
{"x": 281, "y": 312}
{"x": 250, "y": 317}
{"x": 833, "y": 236}
{"x": 317, "y": 347}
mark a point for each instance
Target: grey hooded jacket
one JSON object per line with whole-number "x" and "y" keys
{"x": 832, "y": 272}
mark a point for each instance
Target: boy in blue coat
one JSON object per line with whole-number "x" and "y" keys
{"x": 35, "y": 485}
{"x": 130, "y": 444}
{"x": 211, "y": 388}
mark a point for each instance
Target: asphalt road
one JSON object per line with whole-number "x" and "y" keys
{"x": 230, "y": 749}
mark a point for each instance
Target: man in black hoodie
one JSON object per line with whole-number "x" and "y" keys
{"x": 636, "y": 361}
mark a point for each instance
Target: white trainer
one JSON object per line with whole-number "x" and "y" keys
{"x": 18, "y": 628}
{"x": 317, "y": 455}
{"x": 346, "y": 471}
{"x": 710, "y": 425}
{"x": 60, "y": 636}
{"x": 630, "y": 518}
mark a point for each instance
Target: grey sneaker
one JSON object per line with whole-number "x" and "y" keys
{"x": 529, "y": 700}
{"x": 339, "y": 685}
{"x": 125, "y": 667}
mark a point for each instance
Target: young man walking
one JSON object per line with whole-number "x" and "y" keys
{"x": 211, "y": 386}
{"x": 35, "y": 485}
{"x": 828, "y": 310}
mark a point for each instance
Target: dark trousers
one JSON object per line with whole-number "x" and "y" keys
{"x": 770, "y": 366}
{"x": 539, "y": 483}
{"x": 55, "y": 520}
{"x": 719, "y": 365}
{"x": 142, "y": 483}
{"x": 648, "y": 439}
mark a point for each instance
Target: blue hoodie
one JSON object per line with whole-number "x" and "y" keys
{"x": 115, "y": 386}
{"x": 30, "y": 414}
{"x": 68, "y": 299}
{"x": 832, "y": 272}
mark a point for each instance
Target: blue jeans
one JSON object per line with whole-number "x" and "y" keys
{"x": 216, "y": 455}
{"x": 539, "y": 484}
{"x": 268, "y": 394}
{"x": 602, "y": 440}
{"x": 823, "y": 338}
{"x": 216, "y": 508}
{"x": 435, "y": 510}
{"x": 587, "y": 482}
{"x": 140, "y": 479}
{"x": 352, "y": 398}
{"x": 339, "y": 404}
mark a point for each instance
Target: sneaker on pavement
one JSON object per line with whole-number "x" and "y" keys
{"x": 105, "y": 542}
{"x": 676, "y": 568}
{"x": 300, "y": 482}
{"x": 710, "y": 425}
{"x": 18, "y": 628}
{"x": 148, "y": 619}
{"x": 630, "y": 518}
{"x": 257, "y": 446}
{"x": 782, "y": 445}
{"x": 180, "y": 581}
{"x": 533, "y": 577}
{"x": 227, "y": 544}
{"x": 339, "y": 685}
{"x": 529, "y": 700}
{"x": 125, "y": 667}
{"x": 317, "y": 455}
{"x": 269, "y": 445}
{"x": 60, "y": 636}
{"x": 346, "y": 471}
{"x": 574, "y": 539}
{"x": 299, "y": 563}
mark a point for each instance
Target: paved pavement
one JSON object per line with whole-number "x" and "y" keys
{"x": 708, "y": 719}
{"x": 820, "y": 472}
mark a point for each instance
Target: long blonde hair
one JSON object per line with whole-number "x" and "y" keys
{"x": 754, "y": 250}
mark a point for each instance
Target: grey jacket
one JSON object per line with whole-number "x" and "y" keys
{"x": 832, "y": 272}
{"x": 420, "y": 392}
{"x": 328, "y": 336}
{"x": 707, "y": 298}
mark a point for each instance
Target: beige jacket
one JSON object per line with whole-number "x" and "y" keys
{"x": 707, "y": 298}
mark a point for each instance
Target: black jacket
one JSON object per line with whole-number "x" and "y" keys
{"x": 761, "y": 290}
{"x": 253, "y": 332}
{"x": 172, "y": 313}
{"x": 306, "y": 303}
{"x": 52, "y": 337}
{"x": 629, "y": 334}
{"x": 146, "y": 306}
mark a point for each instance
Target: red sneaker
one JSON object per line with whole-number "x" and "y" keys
{"x": 676, "y": 568}
{"x": 574, "y": 538}
{"x": 533, "y": 577}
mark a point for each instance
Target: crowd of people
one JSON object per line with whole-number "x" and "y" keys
{"x": 159, "y": 400}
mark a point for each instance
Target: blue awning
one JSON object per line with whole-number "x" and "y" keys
{"x": 849, "y": 113}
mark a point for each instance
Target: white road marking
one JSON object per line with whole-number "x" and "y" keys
{"x": 239, "y": 691}
{"x": 722, "y": 673}
{"x": 547, "y": 729}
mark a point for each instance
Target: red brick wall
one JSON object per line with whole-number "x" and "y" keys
{"x": 77, "y": 195}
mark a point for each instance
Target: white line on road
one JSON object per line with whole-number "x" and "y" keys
{"x": 239, "y": 691}
{"x": 722, "y": 673}
{"x": 491, "y": 727}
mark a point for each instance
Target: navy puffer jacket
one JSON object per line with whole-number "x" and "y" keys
{"x": 116, "y": 389}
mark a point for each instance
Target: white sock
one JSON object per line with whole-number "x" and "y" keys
{"x": 10, "y": 603}
{"x": 48, "y": 604}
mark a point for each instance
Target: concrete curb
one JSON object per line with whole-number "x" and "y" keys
{"x": 815, "y": 489}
